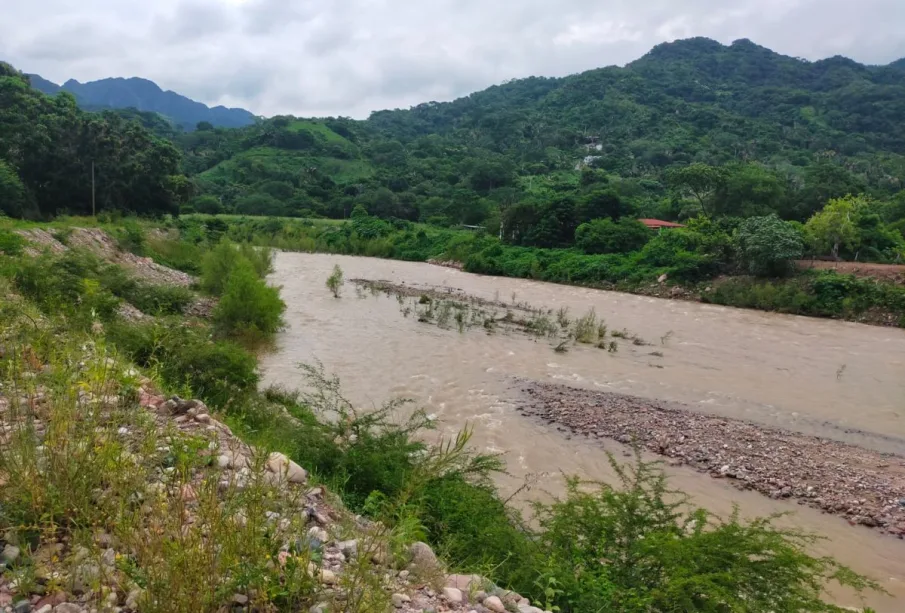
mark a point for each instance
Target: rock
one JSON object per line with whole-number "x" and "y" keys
{"x": 452, "y": 594}
{"x": 527, "y": 608}
{"x": 187, "y": 493}
{"x": 494, "y": 604}
{"x": 203, "y": 418}
{"x": 23, "y": 606}
{"x": 67, "y": 607}
{"x": 10, "y": 554}
{"x": 328, "y": 577}
{"x": 399, "y": 600}
{"x": 318, "y": 533}
{"x": 240, "y": 599}
{"x": 133, "y": 598}
{"x": 423, "y": 560}
{"x": 403, "y": 574}
{"x": 662, "y": 278}
{"x": 320, "y": 607}
{"x": 84, "y": 577}
{"x": 279, "y": 464}
{"x": 465, "y": 582}
{"x": 45, "y": 609}
{"x": 349, "y": 548}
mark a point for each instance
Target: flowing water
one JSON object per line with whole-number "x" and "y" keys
{"x": 836, "y": 379}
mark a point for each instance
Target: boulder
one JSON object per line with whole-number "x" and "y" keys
{"x": 493, "y": 603}
{"x": 452, "y": 594}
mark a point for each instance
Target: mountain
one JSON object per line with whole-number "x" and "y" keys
{"x": 790, "y": 133}
{"x": 145, "y": 95}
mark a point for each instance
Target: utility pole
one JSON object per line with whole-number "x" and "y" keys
{"x": 93, "y": 210}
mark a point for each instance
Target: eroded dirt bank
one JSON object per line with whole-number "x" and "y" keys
{"x": 866, "y": 487}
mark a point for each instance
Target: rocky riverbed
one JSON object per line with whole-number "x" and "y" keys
{"x": 863, "y": 486}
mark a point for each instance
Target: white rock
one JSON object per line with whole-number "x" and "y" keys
{"x": 328, "y": 577}
{"x": 494, "y": 604}
{"x": 453, "y": 594}
{"x": 279, "y": 464}
{"x": 399, "y": 600}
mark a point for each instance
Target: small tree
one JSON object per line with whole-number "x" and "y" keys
{"x": 248, "y": 307}
{"x": 767, "y": 245}
{"x": 836, "y": 226}
{"x": 335, "y": 281}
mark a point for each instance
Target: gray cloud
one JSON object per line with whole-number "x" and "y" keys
{"x": 349, "y": 57}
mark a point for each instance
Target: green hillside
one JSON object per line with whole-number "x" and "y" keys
{"x": 787, "y": 136}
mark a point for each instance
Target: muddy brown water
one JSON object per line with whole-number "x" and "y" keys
{"x": 836, "y": 379}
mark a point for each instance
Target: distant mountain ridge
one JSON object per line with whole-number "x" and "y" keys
{"x": 145, "y": 95}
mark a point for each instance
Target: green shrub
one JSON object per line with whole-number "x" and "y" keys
{"x": 132, "y": 237}
{"x": 248, "y": 307}
{"x": 217, "y": 265}
{"x": 608, "y": 236}
{"x": 219, "y": 372}
{"x": 767, "y": 245}
{"x": 635, "y": 549}
{"x": 11, "y": 243}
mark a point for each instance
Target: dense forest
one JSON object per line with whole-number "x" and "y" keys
{"x": 692, "y": 129}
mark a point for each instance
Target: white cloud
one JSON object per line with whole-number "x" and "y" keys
{"x": 349, "y": 57}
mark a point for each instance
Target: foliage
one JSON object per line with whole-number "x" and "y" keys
{"x": 335, "y": 281}
{"x": 51, "y": 146}
{"x": 608, "y": 236}
{"x": 248, "y": 307}
{"x": 217, "y": 265}
{"x": 633, "y": 548}
{"x": 836, "y": 226}
{"x": 767, "y": 245}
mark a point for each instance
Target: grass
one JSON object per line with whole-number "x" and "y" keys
{"x": 83, "y": 458}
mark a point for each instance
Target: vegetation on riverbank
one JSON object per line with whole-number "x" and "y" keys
{"x": 699, "y": 262}
{"x": 658, "y": 556}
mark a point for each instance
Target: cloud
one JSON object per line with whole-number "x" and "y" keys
{"x": 350, "y": 57}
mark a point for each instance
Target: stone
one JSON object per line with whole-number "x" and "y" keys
{"x": 45, "y": 609}
{"x": 240, "y": 599}
{"x": 465, "y": 582}
{"x": 67, "y": 607}
{"x": 279, "y": 464}
{"x": 328, "y": 577}
{"x": 452, "y": 594}
{"x": 494, "y": 604}
{"x": 403, "y": 574}
{"x": 133, "y": 598}
{"x": 108, "y": 557}
{"x": 423, "y": 560}
{"x": 349, "y": 548}
{"x": 10, "y": 554}
{"x": 527, "y": 608}
{"x": 203, "y": 418}
{"x": 320, "y": 607}
{"x": 399, "y": 600}
{"x": 320, "y": 534}
{"x": 23, "y": 606}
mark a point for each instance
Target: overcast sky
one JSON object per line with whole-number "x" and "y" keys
{"x": 349, "y": 57}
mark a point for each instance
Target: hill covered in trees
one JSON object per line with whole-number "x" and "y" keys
{"x": 786, "y": 136}
{"x": 48, "y": 148}
{"x": 145, "y": 95}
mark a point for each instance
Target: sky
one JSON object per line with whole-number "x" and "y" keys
{"x": 351, "y": 57}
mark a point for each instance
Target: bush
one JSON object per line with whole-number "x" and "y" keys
{"x": 767, "y": 245}
{"x": 335, "y": 281}
{"x": 248, "y": 307}
{"x": 219, "y": 372}
{"x": 634, "y": 549}
{"x": 11, "y": 243}
{"x": 608, "y": 236}
{"x": 217, "y": 265}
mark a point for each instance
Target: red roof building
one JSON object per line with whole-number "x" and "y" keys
{"x": 656, "y": 224}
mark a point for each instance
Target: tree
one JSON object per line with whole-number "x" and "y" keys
{"x": 248, "y": 307}
{"x": 608, "y": 236}
{"x": 13, "y": 196}
{"x": 767, "y": 245}
{"x": 836, "y": 226}
{"x": 700, "y": 181}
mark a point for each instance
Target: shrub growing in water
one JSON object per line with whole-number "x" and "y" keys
{"x": 335, "y": 281}
{"x": 248, "y": 307}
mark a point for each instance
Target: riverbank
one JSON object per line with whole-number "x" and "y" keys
{"x": 865, "y": 487}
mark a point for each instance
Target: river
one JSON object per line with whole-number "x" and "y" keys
{"x": 835, "y": 379}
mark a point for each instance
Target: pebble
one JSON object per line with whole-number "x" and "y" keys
{"x": 494, "y": 604}
{"x": 67, "y": 607}
{"x": 452, "y": 594}
{"x": 399, "y": 600}
{"x": 10, "y": 554}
